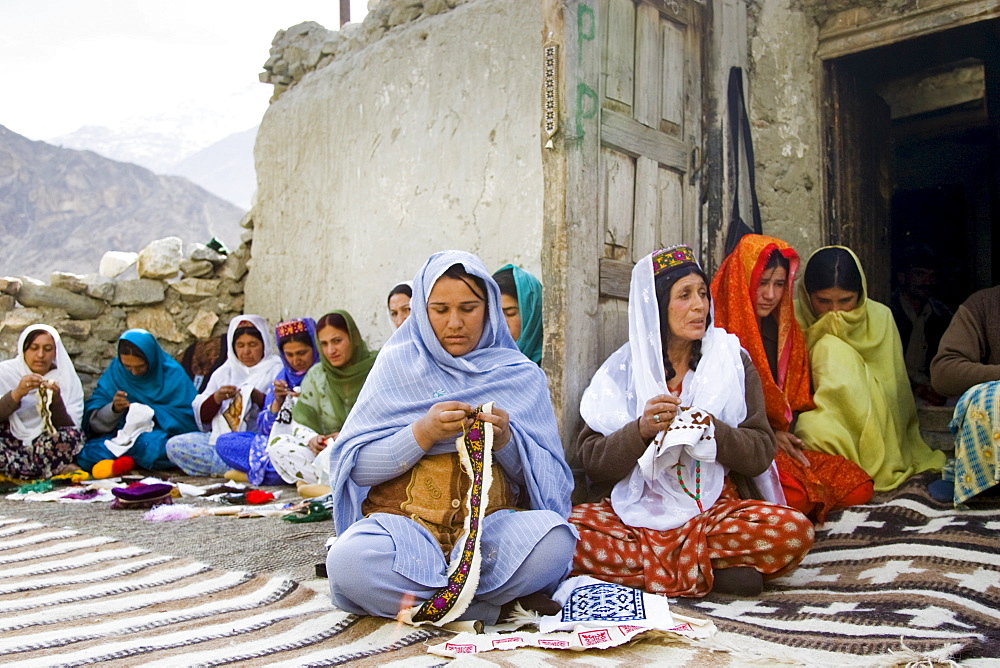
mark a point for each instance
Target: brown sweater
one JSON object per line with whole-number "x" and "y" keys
{"x": 747, "y": 450}
{"x": 969, "y": 352}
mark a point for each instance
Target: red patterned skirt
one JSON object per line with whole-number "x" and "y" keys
{"x": 830, "y": 481}
{"x": 769, "y": 538}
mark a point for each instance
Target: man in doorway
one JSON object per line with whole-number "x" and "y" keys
{"x": 920, "y": 318}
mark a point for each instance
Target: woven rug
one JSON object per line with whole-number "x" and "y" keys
{"x": 904, "y": 570}
{"x": 888, "y": 583}
{"x": 68, "y": 599}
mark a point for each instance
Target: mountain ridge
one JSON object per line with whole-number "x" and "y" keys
{"x": 61, "y": 209}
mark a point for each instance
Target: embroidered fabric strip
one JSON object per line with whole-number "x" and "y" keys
{"x": 475, "y": 449}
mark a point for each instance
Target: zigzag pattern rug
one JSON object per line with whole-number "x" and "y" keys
{"x": 887, "y": 583}
{"x": 904, "y": 570}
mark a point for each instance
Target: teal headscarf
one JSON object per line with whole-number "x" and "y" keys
{"x": 529, "y": 302}
{"x": 165, "y": 387}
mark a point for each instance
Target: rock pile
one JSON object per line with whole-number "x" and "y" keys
{"x": 179, "y": 297}
{"x": 309, "y": 46}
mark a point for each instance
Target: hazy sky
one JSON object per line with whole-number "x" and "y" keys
{"x": 68, "y": 63}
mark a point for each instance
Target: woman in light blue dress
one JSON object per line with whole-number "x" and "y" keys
{"x": 399, "y": 491}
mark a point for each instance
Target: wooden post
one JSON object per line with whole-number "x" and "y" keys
{"x": 345, "y": 12}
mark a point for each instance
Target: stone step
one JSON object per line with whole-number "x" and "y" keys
{"x": 934, "y": 426}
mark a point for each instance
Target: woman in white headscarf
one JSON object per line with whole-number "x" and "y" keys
{"x": 40, "y": 408}
{"x": 679, "y": 452}
{"x": 232, "y": 399}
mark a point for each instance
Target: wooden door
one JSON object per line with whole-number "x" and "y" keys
{"x": 618, "y": 169}
{"x": 861, "y": 175}
{"x": 650, "y": 127}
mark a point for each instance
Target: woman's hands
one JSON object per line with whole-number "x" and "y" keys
{"x": 30, "y": 383}
{"x": 225, "y": 392}
{"x": 281, "y": 392}
{"x": 792, "y": 446}
{"x": 501, "y": 426}
{"x": 659, "y": 412}
{"x": 318, "y": 443}
{"x": 447, "y": 419}
{"x": 120, "y": 402}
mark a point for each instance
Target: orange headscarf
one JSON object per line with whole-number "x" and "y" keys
{"x": 733, "y": 290}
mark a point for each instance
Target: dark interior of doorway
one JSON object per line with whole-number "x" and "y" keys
{"x": 945, "y": 171}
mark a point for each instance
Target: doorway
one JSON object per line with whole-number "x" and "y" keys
{"x": 913, "y": 139}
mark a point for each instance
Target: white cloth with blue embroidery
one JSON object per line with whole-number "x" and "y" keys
{"x": 591, "y": 603}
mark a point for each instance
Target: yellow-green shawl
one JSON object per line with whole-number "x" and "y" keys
{"x": 864, "y": 406}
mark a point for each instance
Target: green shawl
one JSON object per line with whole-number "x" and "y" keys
{"x": 864, "y": 407}
{"x": 329, "y": 392}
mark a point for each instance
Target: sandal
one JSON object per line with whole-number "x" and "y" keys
{"x": 316, "y": 511}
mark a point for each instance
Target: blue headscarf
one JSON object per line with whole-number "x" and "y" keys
{"x": 165, "y": 387}
{"x": 413, "y": 372}
{"x": 529, "y": 303}
{"x": 287, "y": 374}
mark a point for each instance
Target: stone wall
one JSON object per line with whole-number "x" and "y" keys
{"x": 424, "y": 140}
{"x": 785, "y": 115}
{"x": 179, "y": 297}
{"x": 309, "y": 46}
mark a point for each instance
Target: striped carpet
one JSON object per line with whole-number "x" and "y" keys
{"x": 887, "y": 583}
{"x": 67, "y": 599}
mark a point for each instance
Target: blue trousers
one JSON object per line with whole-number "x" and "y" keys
{"x": 149, "y": 451}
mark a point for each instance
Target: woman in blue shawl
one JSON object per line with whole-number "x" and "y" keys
{"x": 399, "y": 493}
{"x": 521, "y": 301}
{"x": 246, "y": 451}
{"x": 141, "y": 374}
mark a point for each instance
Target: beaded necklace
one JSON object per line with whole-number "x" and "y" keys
{"x": 678, "y": 467}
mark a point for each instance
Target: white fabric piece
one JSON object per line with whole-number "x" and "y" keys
{"x": 45, "y": 410}
{"x": 321, "y": 465}
{"x": 138, "y": 420}
{"x": 593, "y": 603}
{"x": 233, "y": 372}
{"x": 283, "y": 421}
{"x": 220, "y": 425}
{"x": 652, "y": 496}
{"x": 595, "y": 615}
{"x": 631, "y": 376}
{"x": 26, "y": 423}
{"x": 291, "y": 457}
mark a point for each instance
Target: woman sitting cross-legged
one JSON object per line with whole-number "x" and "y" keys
{"x": 142, "y": 399}
{"x": 679, "y": 451}
{"x": 401, "y": 498}
{"x": 231, "y": 400}
{"x": 246, "y": 451}
{"x": 329, "y": 391}
{"x": 32, "y": 446}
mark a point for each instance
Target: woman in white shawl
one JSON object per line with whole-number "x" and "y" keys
{"x": 677, "y": 432}
{"x": 232, "y": 398}
{"x": 41, "y": 407}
